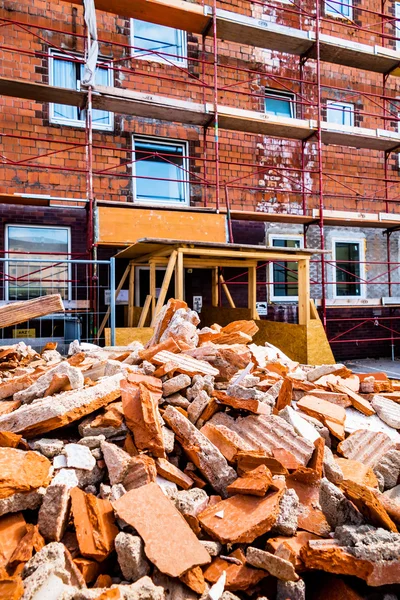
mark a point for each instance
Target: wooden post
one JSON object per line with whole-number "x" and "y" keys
{"x": 214, "y": 287}
{"x": 252, "y": 292}
{"x": 165, "y": 285}
{"x": 145, "y": 311}
{"x": 304, "y": 291}
{"x": 131, "y": 297}
{"x": 117, "y": 291}
{"x": 179, "y": 276}
{"x": 227, "y": 292}
{"x": 153, "y": 286}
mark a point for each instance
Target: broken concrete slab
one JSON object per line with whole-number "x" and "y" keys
{"x": 47, "y": 415}
{"x": 170, "y": 544}
{"x": 322, "y": 370}
{"x": 40, "y": 387}
{"x": 266, "y": 433}
{"x": 387, "y": 410}
{"x": 337, "y": 509}
{"x": 366, "y": 446}
{"x": 287, "y": 520}
{"x": 207, "y": 458}
{"x": 22, "y": 501}
{"x": 388, "y": 468}
{"x": 79, "y": 457}
{"x": 176, "y": 384}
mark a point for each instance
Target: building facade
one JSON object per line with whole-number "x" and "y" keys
{"x": 271, "y": 122}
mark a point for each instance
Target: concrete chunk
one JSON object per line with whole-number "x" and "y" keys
{"x": 117, "y": 461}
{"x": 79, "y": 457}
{"x": 131, "y": 556}
{"x": 54, "y": 512}
{"x": 47, "y": 415}
{"x": 39, "y": 387}
{"x": 176, "y": 384}
{"x": 389, "y": 468}
{"x": 276, "y": 566}
{"x": 335, "y": 506}
{"x": 387, "y": 410}
{"x": 207, "y": 458}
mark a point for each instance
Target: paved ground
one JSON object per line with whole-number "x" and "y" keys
{"x": 366, "y": 365}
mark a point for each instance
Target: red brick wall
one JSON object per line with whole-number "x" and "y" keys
{"x": 264, "y": 166}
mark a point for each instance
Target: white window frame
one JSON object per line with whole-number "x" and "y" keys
{"x": 340, "y": 105}
{"x": 184, "y": 170}
{"x": 6, "y": 247}
{"x": 77, "y": 122}
{"x": 361, "y": 243}
{"x": 153, "y": 57}
{"x": 334, "y": 10}
{"x": 271, "y": 238}
{"x": 281, "y": 95}
{"x": 397, "y": 24}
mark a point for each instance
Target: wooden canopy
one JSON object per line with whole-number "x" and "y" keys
{"x": 176, "y": 255}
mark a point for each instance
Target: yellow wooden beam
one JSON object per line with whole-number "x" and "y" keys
{"x": 304, "y": 291}
{"x": 252, "y": 292}
{"x": 145, "y": 311}
{"x": 227, "y": 292}
{"x": 179, "y": 292}
{"x": 217, "y": 253}
{"x": 165, "y": 284}
{"x": 131, "y": 296}
{"x": 214, "y": 287}
{"x": 152, "y": 286}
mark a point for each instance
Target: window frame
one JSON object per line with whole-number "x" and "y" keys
{"x": 343, "y": 105}
{"x": 185, "y": 170}
{"x": 152, "y": 57}
{"x": 361, "y": 243}
{"x": 335, "y": 12}
{"x": 271, "y": 286}
{"x": 7, "y": 250}
{"x": 397, "y": 25}
{"x": 77, "y": 122}
{"x": 140, "y": 268}
{"x": 281, "y": 95}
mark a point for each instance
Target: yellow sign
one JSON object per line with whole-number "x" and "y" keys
{"x": 24, "y": 333}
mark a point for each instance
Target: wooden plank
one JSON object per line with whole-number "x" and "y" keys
{"x": 40, "y": 92}
{"x": 179, "y": 291}
{"x": 304, "y": 291}
{"x": 131, "y": 297}
{"x": 19, "y": 312}
{"x": 145, "y": 311}
{"x": 227, "y": 292}
{"x": 152, "y": 286}
{"x": 262, "y": 254}
{"x": 214, "y": 287}
{"x": 252, "y": 292}
{"x": 126, "y": 225}
{"x": 165, "y": 285}
{"x": 126, "y": 335}
{"x": 117, "y": 291}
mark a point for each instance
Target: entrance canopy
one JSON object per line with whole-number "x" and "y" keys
{"x": 176, "y": 255}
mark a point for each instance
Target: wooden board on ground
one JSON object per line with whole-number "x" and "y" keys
{"x": 19, "y": 312}
{"x": 126, "y": 335}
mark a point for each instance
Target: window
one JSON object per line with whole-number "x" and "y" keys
{"x": 68, "y": 74}
{"x": 397, "y": 25}
{"x": 349, "y": 270}
{"x": 29, "y": 279}
{"x": 339, "y": 8}
{"x": 160, "y": 171}
{"x": 157, "y": 42}
{"x": 284, "y": 275}
{"x": 341, "y": 113}
{"x": 279, "y": 104}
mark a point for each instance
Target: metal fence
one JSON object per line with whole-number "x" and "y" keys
{"x": 86, "y": 286}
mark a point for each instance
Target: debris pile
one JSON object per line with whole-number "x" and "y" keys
{"x": 200, "y": 466}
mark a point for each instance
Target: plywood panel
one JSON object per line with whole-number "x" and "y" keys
{"x": 319, "y": 351}
{"x": 288, "y": 337}
{"x": 126, "y": 335}
{"x": 120, "y": 226}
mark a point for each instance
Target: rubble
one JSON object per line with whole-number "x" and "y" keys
{"x": 201, "y": 466}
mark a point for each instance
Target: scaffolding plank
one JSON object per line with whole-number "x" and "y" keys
{"x": 138, "y": 104}
{"x": 259, "y": 32}
{"x": 40, "y": 92}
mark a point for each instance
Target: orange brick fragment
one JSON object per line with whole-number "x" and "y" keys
{"x": 22, "y": 471}
{"x": 11, "y": 588}
{"x": 172, "y": 473}
{"x": 255, "y": 482}
{"x": 238, "y": 576}
{"x": 12, "y": 530}
{"x": 94, "y": 524}
{"x": 368, "y": 504}
{"x": 9, "y": 440}
{"x": 194, "y": 579}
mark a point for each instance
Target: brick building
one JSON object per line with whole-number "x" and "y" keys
{"x": 273, "y": 122}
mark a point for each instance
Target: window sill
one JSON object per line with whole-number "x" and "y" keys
{"x": 79, "y": 125}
